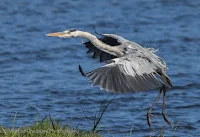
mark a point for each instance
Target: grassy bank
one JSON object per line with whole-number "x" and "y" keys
{"x": 49, "y": 128}
{"x": 45, "y": 128}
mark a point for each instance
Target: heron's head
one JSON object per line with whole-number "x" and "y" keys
{"x": 65, "y": 34}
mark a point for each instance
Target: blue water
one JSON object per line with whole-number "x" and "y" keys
{"x": 39, "y": 75}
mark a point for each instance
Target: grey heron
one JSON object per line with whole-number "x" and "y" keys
{"x": 128, "y": 67}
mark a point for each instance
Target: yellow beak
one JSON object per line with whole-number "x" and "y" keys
{"x": 56, "y": 34}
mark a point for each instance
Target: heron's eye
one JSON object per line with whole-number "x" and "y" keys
{"x": 66, "y": 31}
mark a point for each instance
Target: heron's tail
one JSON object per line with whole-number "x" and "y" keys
{"x": 166, "y": 80}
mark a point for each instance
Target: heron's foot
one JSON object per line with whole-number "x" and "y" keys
{"x": 165, "y": 118}
{"x": 148, "y": 118}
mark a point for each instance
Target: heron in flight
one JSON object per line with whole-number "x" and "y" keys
{"x": 128, "y": 67}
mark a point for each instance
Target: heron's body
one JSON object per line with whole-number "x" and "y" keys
{"x": 129, "y": 67}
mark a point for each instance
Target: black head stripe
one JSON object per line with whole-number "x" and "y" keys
{"x": 72, "y": 30}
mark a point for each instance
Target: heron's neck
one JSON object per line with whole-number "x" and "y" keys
{"x": 100, "y": 45}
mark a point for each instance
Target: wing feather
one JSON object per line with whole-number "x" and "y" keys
{"x": 93, "y": 76}
{"x": 97, "y": 80}
{"x": 103, "y": 82}
{"x": 110, "y": 39}
{"x": 96, "y": 54}
{"x": 126, "y": 74}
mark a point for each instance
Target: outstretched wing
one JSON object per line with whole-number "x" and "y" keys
{"x": 110, "y": 39}
{"x": 130, "y": 73}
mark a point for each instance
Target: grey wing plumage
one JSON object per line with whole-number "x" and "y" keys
{"x": 129, "y": 73}
{"x": 110, "y": 39}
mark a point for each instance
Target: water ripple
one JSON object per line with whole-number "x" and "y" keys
{"x": 39, "y": 74}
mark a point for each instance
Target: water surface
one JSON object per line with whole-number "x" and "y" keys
{"x": 39, "y": 74}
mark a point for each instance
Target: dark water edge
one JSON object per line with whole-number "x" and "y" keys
{"x": 39, "y": 75}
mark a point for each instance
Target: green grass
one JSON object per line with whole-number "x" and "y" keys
{"x": 49, "y": 128}
{"x": 45, "y": 128}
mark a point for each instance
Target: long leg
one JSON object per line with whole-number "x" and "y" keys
{"x": 149, "y": 112}
{"x": 163, "y": 107}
